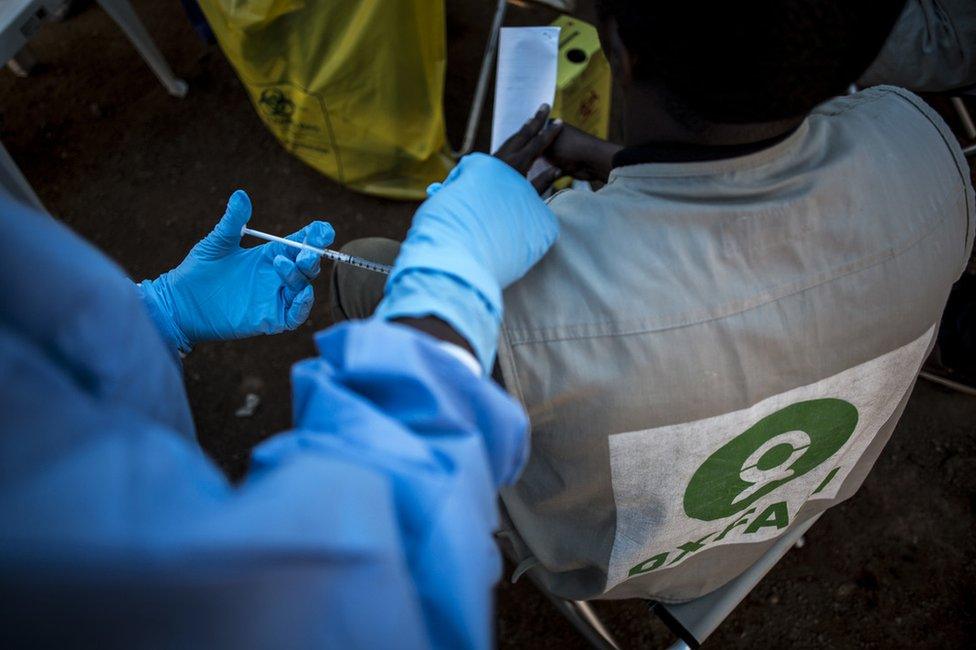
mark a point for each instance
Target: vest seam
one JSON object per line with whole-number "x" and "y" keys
{"x": 858, "y": 267}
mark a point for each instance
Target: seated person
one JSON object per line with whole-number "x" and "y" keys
{"x": 932, "y": 48}
{"x": 724, "y": 336}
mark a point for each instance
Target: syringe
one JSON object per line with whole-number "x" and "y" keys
{"x": 327, "y": 253}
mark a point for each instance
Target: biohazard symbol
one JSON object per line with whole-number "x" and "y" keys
{"x": 275, "y": 105}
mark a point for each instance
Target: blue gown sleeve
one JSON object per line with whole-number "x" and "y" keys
{"x": 369, "y": 524}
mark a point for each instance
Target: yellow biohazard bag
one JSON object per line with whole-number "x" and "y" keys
{"x": 582, "y": 79}
{"x": 352, "y": 87}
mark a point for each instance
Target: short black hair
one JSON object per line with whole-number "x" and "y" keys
{"x": 738, "y": 61}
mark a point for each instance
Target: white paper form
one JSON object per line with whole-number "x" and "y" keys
{"x": 525, "y": 77}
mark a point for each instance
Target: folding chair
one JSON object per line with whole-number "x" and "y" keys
{"x": 21, "y": 19}
{"x": 693, "y": 621}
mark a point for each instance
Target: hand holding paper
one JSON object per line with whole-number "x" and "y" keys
{"x": 522, "y": 151}
{"x": 525, "y": 78}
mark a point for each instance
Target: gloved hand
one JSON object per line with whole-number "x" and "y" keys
{"x": 223, "y": 291}
{"x": 479, "y": 231}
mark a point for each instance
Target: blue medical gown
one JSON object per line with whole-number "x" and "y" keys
{"x": 368, "y": 524}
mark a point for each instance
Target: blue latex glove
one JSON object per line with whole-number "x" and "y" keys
{"x": 222, "y": 291}
{"x": 479, "y": 231}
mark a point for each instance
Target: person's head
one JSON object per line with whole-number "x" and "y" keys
{"x": 742, "y": 62}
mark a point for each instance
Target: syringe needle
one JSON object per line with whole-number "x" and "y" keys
{"x": 327, "y": 253}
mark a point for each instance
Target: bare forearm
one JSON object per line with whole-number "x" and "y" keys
{"x": 438, "y": 329}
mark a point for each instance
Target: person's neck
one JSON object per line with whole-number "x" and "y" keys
{"x": 646, "y": 121}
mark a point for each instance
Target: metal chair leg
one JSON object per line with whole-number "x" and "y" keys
{"x": 967, "y": 120}
{"x": 128, "y": 21}
{"x": 679, "y": 645}
{"x": 587, "y": 614}
{"x": 586, "y": 622}
{"x": 481, "y": 90}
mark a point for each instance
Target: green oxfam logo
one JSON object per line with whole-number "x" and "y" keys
{"x": 779, "y": 448}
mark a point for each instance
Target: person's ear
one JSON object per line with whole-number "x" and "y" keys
{"x": 621, "y": 62}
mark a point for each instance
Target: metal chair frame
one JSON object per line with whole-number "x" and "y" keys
{"x": 21, "y": 19}
{"x": 481, "y": 88}
{"x": 693, "y": 621}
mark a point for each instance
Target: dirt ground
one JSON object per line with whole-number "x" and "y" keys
{"x": 144, "y": 176}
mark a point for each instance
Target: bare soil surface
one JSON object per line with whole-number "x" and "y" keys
{"x": 144, "y": 176}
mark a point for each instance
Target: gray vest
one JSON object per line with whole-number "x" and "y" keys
{"x": 714, "y": 351}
